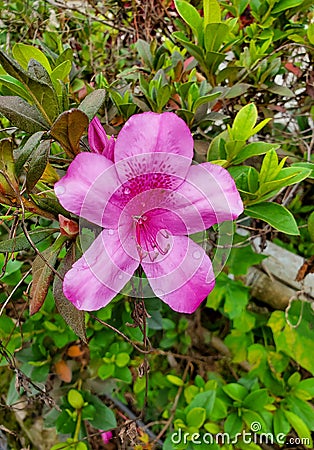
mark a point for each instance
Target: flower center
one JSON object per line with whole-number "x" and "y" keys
{"x": 146, "y": 237}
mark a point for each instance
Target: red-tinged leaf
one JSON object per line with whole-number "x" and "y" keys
{"x": 8, "y": 183}
{"x": 68, "y": 130}
{"x": 63, "y": 371}
{"x": 294, "y": 69}
{"x": 68, "y": 227}
{"x": 73, "y": 317}
{"x": 43, "y": 274}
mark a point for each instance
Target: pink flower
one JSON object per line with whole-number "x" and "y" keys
{"x": 106, "y": 436}
{"x": 148, "y": 200}
{"x": 98, "y": 141}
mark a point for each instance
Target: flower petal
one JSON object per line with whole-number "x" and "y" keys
{"x": 86, "y": 188}
{"x": 183, "y": 277}
{"x": 207, "y": 196}
{"x": 101, "y": 273}
{"x": 98, "y": 140}
{"x": 150, "y": 132}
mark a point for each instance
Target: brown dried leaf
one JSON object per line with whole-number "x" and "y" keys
{"x": 63, "y": 371}
{"x": 73, "y": 317}
{"x": 68, "y": 130}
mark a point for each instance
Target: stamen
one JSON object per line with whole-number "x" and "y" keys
{"x": 146, "y": 238}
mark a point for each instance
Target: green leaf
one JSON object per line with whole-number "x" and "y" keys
{"x": 92, "y": 103}
{"x": 280, "y": 423}
{"x": 310, "y": 33}
{"x": 68, "y": 130}
{"x": 196, "y": 417}
{"x": 253, "y": 149}
{"x": 204, "y": 400}
{"x": 270, "y": 167}
{"x": 175, "y": 380}
{"x": 104, "y": 417}
{"x": 294, "y": 342}
{"x": 195, "y": 50}
{"x": 302, "y": 409}
{"x": 307, "y": 385}
{"x": 233, "y": 424}
{"x": 72, "y": 316}
{"x": 244, "y": 123}
{"x": 15, "y": 86}
{"x": 235, "y": 391}
{"x": 75, "y": 399}
{"x": 22, "y": 115}
{"x": 215, "y": 35}
{"x": 36, "y": 70}
{"x": 283, "y": 91}
{"x": 256, "y": 400}
{"x": 23, "y": 153}
{"x": 23, "y": 53}
{"x": 106, "y": 371}
{"x": 61, "y": 72}
{"x": 282, "y": 5}
{"x": 275, "y": 215}
{"x": 212, "y": 12}
{"x": 300, "y": 427}
{"x": 37, "y": 164}
{"x": 43, "y": 95}
{"x": 237, "y": 90}
{"x": 122, "y": 359}
{"x": 286, "y": 177}
{"x": 144, "y": 52}
{"x": 191, "y": 16}
{"x": 20, "y": 242}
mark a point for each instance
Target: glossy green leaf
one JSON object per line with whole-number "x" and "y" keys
{"x": 300, "y": 427}
{"x": 270, "y": 167}
{"x": 280, "y": 423}
{"x": 244, "y": 122}
{"x": 23, "y": 53}
{"x": 275, "y": 215}
{"x": 15, "y": 86}
{"x": 235, "y": 391}
{"x": 21, "y": 114}
{"x": 212, "y": 12}
{"x": 75, "y": 399}
{"x": 175, "y": 380}
{"x": 286, "y": 177}
{"x": 233, "y": 424}
{"x": 20, "y": 242}
{"x": 282, "y": 5}
{"x": 92, "y": 103}
{"x": 253, "y": 149}
{"x": 215, "y": 35}
{"x": 191, "y": 16}
{"x": 61, "y": 72}
{"x": 122, "y": 359}
{"x": 196, "y": 417}
{"x": 256, "y": 400}
{"x": 310, "y": 33}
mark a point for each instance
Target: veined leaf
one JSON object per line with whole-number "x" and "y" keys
{"x": 22, "y": 115}
{"x": 254, "y": 149}
{"x": 276, "y": 215}
{"x": 15, "y": 86}
{"x": 191, "y": 16}
{"x": 212, "y": 12}
{"x": 37, "y": 164}
{"x": 215, "y": 34}
{"x": 244, "y": 123}
{"x": 22, "y": 154}
{"x": 20, "y": 242}
{"x": 92, "y": 103}
{"x": 23, "y": 53}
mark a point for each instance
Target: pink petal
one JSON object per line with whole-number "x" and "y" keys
{"x": 151, "y": 132}
{"x": 86, "y": 188}
{"x": 183, "y": 277}
{"x": 208, "y": 196}
{"x": 101, "y": 273}
{"x": 98, "y": 141}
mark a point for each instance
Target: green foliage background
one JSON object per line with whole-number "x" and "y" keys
{"x": 239, "y": 73}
